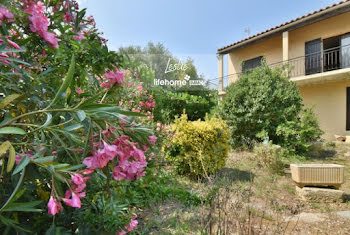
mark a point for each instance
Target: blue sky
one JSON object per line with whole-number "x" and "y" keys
{"x": 192, "y": 28}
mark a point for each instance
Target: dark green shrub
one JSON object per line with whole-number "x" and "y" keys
{"x": 264, "y": 104}
{"x": 171, "y": 104}
{"x": 299, "y": 135}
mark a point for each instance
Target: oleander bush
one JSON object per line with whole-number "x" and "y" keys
{"x": 198, "y": 148}
{"x": 76, "y": 136}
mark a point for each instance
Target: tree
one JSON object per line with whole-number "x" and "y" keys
{"x": 261, "y": 105}
{"x": 171, "y": 101}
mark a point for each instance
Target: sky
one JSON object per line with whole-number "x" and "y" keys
{"x": 192, "y": 28}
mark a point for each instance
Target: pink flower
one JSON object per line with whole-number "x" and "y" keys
{"x": 5, "y": 14}
{"x": 79, "y": 37}
{"x": 87, "y": 171}
{"x": 54, "y": 206}
{"x": 3, "y": 55}
{"x": 80, "y": 91}
{"x": 4, "y": 61}
{"x": 13, "y": 44}
{"x": 18, "y": 159}
{"x": 118, "y": 173}
{"x": 74, "y": 201}
{"x": 113, "y": 78}
{"x": 67, "y": 17}
{"x": 121, "y": 232}
{"x": 51, "y": 39}
{"x": 91, "y": 162}
{"x": 133, "y": 224}
{"x": 152, "y": 139}
{"x": 77, "y": 179}
{"x": 40, "y": 23}
{"x": 103, "y": 156}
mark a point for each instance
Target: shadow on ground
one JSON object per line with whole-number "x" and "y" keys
{"x": 234, "y": 175}
{"x": 347, "y": 198}
{"x": 323, "y": 154}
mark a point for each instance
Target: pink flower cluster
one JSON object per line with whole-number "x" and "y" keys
{"x": 40, "y": 23}
{"x": 73, "y": 195}
{"x": 4, "y": 56}
{"x": 132, "y": 225}
{"x": 113, "y": 77}
{"x": 5, "y": 14}
{"x": 131, "y": 160}
{"x": 80, "y": 36}
{"x": 102, "y": 157}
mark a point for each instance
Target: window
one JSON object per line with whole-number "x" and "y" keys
{"x": 313, "y": 57}
{"x": 251, "y": 64}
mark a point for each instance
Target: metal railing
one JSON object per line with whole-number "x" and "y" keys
{"x": 327, "y": 60}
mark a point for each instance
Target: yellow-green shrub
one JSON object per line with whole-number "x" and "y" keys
{"x": 198, "y": 148}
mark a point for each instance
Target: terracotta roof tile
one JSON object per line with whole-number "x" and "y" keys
{"x": 284, "y": 24}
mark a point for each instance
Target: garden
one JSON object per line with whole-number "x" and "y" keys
{"x": 88, "y": 145}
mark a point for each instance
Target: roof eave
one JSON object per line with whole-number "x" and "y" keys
{"x": 293, "y": 25}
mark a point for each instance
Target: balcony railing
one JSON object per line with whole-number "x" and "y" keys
{"x": 327, "y": 60}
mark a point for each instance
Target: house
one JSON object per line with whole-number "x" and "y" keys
{"x": 317, "y": 48}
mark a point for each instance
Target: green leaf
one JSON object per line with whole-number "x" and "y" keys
{"x": 13, "y": 194}
{"x": 12, "y": 130}
{"x": 44, "y": 159}
{"x": 8, "y": 100}
{"x": 61, "y": 166}
{"x": 58, "y": 176}
{"x": 73, "y": 127}
{"x": 81, "y": 115}
{"x": 48, "y": 121}
{"x": 75, "y": 167}
{"x": 12, "y": 158}
{"x": 12, "y": 223}
{"x": 24, "y": 162}
{"x": 23, "y": 206}
{"x": 67, "y": 81}
{"x": 4, "y": 147}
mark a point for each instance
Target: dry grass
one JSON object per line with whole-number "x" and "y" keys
{"x": 246, "y": 199}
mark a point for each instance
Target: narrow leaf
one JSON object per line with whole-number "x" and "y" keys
{"x": 67, "y": 81}
{"x": 13, "y": 194}
{"x": 23, "y": 206}
{"x": 81, "y": 115}
{"x": 4, "y": 147}
{"x": 73, "y": 127}
{"x": 44, "y": 159}
{"x": 8, "y": 100}
{"x": 12, "y": 159}
{"x": 24, "y": 162}
{"x": 12, "y": 130}
{"x": 48, "y": 120}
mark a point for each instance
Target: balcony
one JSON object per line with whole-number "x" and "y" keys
{"x": 330, "y": 64}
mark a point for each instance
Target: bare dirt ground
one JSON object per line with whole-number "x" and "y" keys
{"x": 244, "y": 198}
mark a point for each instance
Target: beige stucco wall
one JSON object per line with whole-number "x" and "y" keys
{"x": 271, "y": 49}
{"x": 329, "y": 103}
{"x": 333, "y": 26}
